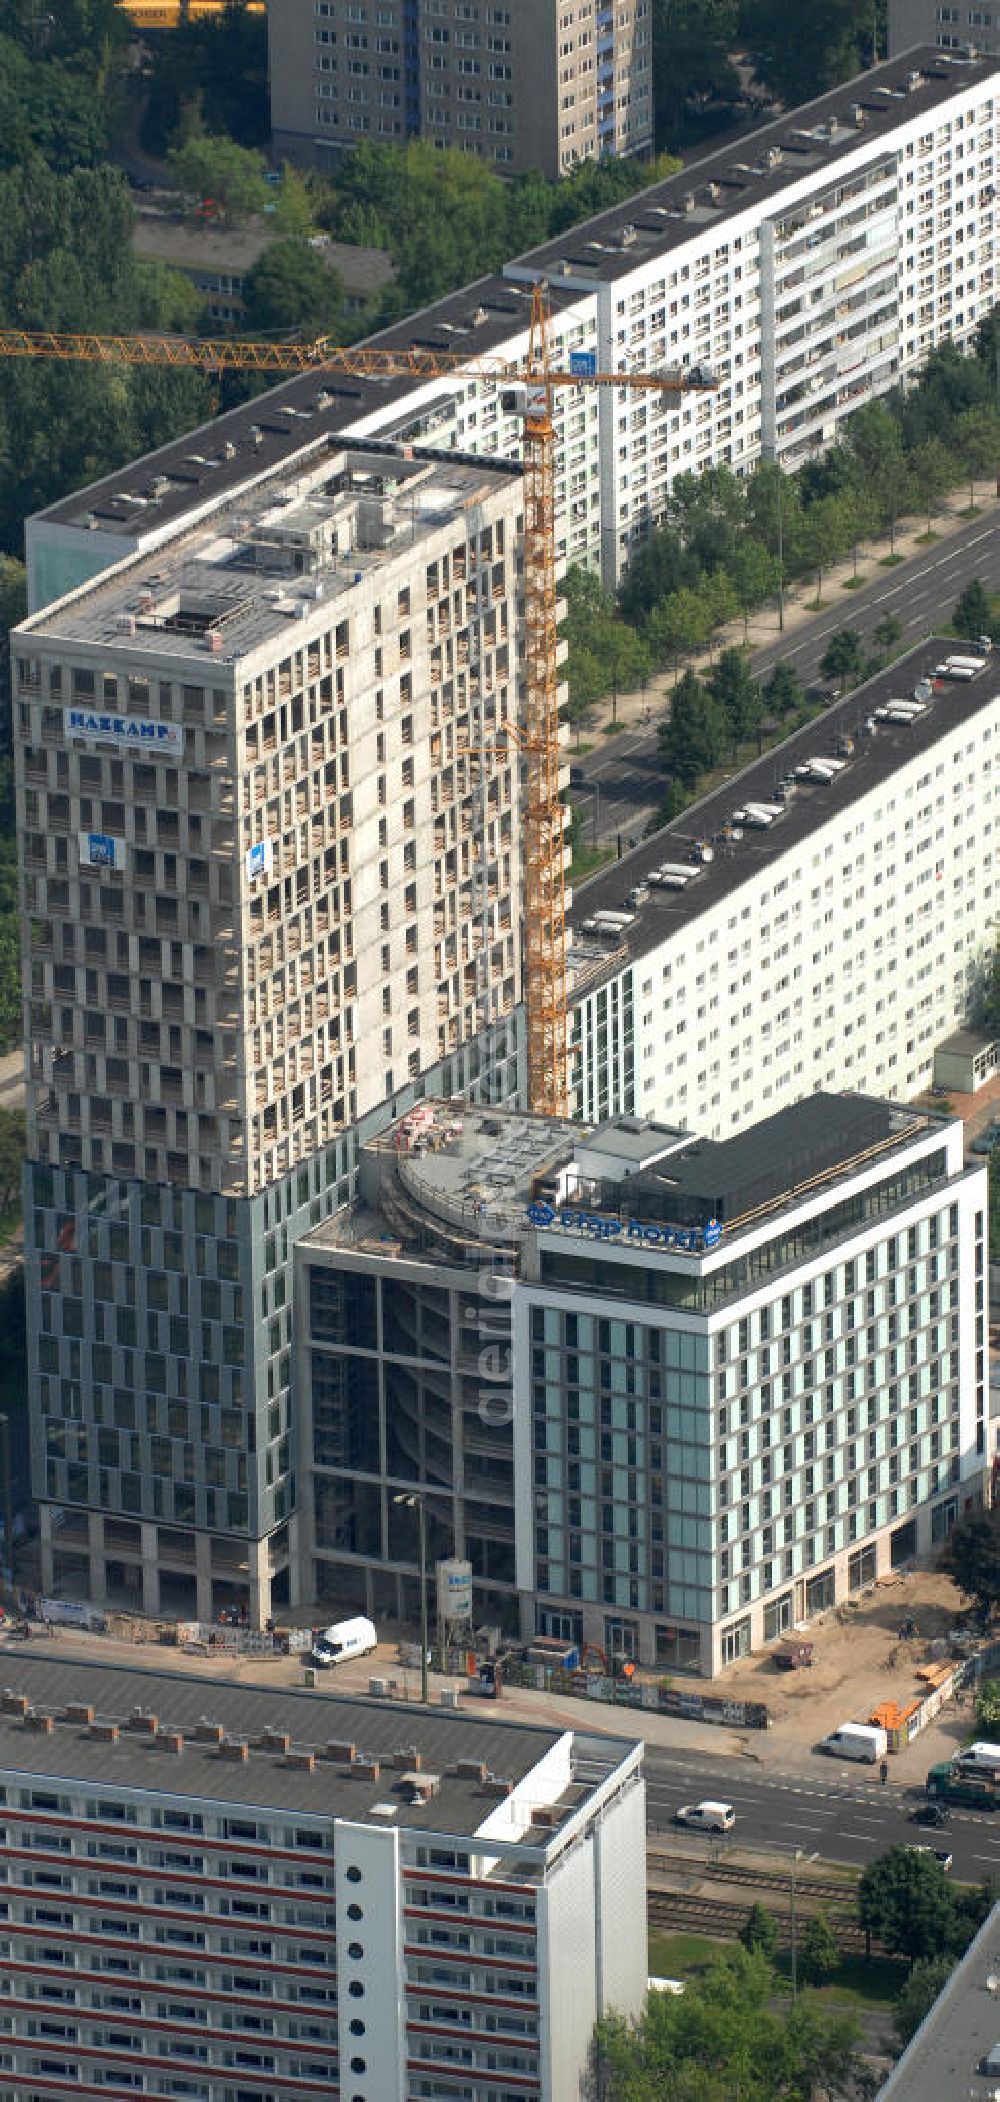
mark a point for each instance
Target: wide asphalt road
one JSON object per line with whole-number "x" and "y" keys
{"x": 839, "y": 1812}
{"x": 622, "y": 783}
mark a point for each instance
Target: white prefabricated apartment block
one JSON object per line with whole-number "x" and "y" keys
{"x": 952, "y": 27}
{"x": 818, "y": 922}
{"x": 536, "y": 84}
{"x": 810, "y": 267}
{"x": 250, "y": 1893}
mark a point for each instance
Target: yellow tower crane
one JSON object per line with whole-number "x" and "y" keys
{"x": 545, "y": 972}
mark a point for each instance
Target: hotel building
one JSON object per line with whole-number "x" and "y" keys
{"x": 714, "y": 1387}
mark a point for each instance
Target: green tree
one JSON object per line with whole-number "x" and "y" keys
{"x": 756, "y": 577}
{"x": 795, "y": 65}
{"x": 708, "y": 511}
{"x": 988, "y": 1706}
{"x": 722, "y": 2040}
{"x": 692, "y": 42}
{"x": 972, "y": 614}
{"x": 12, "y": 1142}
{"x": 672, "y": 802}
{"x": 13, "y": 607}
{"x": 927, "y": 1979}
{"x": 738, "y": 695}
{"x": 605, "y": 653}
{"x": 860, "y": 519}
{"x": 932, "y": 467}
{"x": 215, "y": 68}
{"x": 887, "y": 632}
{"x": 823, "y": 535}
{"x": 978, "y": 442}
{"x": 774, "y": 508}
{"x": 659, "y": 567}
{"x": 215, "y": 170}
{"x": 783, "y": 691}
{"x": 987, "y": 1001}
{"x": 292, "y": 287}
{"x": 874, "y": 456}
{"x": 295, "y": 210}
{"x": 692, "y": 740}
{"x": 819, "y": 1956}
{"x": 681, "y": 622}
{"x": 759, "y": 1932}
{"x": 971, "y": 1554}
{"x": 56, "y": 110}
{"x": 717, "y": 593}
{"x": 843, "y": 658}
{"x": 905, "y": 1902}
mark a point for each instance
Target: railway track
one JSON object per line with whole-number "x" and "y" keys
{"x": 827, "y": 1891}
{"x": 723, "y": 1920}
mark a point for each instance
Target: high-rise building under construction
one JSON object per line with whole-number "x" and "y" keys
{"x": 272, "y": 883}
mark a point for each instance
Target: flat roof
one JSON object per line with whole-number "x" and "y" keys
{"x": 876, "y": 754}
{"x": 946, "y": 2059}
{"x": 762, "y": 164}
{"x": 631, "y": 1138}
{"x": 468, "y": 1176}
{"x": 379, "y": 1729}
{"x": 239, "y": 578}
{"x": 968, "y": 1041}
{"x": 486, "y": 314}
{"x": 315, "y": 404}
{"x": 168, "y": 237}
{"x": 807, "y": 1142}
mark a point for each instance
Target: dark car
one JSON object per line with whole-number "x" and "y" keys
{"x": 933, "y": 1814}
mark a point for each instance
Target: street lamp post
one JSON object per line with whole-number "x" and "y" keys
{"x": 781, "y": 566}
{"x": 416, "y": 1502}
{"x": 796, "y": 1852}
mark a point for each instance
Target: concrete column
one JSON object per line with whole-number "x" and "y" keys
{"x": 299, "y": 1582}
{"x": 45, "y": 1547}
{"x": 98, "y": 1573}
{"x": 259, "y": 1582}
{"x": 203, "y": 1575}
{"x": 150, "y": 1570}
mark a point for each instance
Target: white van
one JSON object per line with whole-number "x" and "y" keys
{"x": 346, "y": 1638}
{"x": 706, "y": 1817}
{"x": 857, "y": 1740}
{"x": 981, "y": 1757}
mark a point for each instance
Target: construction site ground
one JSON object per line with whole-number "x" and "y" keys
{"x": 858, "y": 1662}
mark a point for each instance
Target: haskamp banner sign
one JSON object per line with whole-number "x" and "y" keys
{"x": 128, "y": 732}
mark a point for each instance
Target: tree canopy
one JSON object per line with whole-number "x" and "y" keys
{"x": 212, "y": 73}
{"x": 722, "y": 2039}
{"x": 906, "y": 1902}
{"x": 292, "y": 287}
{"x": 796, "y": 59}
{"x": 66, "y": 261}
{"x": 971, "y": 1554}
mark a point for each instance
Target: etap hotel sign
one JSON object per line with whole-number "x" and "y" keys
{"x": 636, "y": 1233}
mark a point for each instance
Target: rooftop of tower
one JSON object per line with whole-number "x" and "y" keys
{"x": 227, "y": 585}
